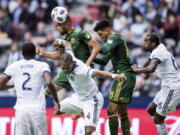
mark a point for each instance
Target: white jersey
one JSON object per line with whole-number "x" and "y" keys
{"x": 167, "y": 69}
{"x": 27, "y": 77}
{"x": 81, "y": 80}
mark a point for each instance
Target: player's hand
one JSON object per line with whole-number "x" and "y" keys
{"x": 134, "y": 68}
{"x": 57, "y": 43}
{"x": 119, "y": 77}
{"x": 39, "y": 50}
{"x": 60, "y": 43}
{"x": 57, "y": 108}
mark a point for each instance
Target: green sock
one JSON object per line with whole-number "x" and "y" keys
{"x": 113, "y": 123}
{"x": 47, "y": 93}
{"x": 125, "y": 124}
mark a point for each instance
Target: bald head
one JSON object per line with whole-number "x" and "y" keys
{"x": 66, "y": 57}
{"x": 66, "y": 62}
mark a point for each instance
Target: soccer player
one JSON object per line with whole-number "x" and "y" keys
{"x": 116, "y": 50}
{"x": 81, "y": 42}
{"x": 87, "y": 100}
{"x": 28, "y": 75}
{"x": 168, "y": 97}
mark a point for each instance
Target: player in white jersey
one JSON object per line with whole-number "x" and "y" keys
{"x": 168, "y": 97}
{"x": 28, "y": 76}
{"x": 87, "y": 100}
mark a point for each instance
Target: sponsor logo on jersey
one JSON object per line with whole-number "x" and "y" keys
{"x": 73, "y": 40}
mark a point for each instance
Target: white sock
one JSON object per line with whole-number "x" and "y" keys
{"x": 161, "y": 129}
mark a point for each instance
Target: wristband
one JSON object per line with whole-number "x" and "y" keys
{"x": 114, "y": 76}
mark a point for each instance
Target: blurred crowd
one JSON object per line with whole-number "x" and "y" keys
{"x": 22, "y": 21}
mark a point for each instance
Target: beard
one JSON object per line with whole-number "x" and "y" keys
{"x": 145, "y": 49}
{"x": 62, "y": 31}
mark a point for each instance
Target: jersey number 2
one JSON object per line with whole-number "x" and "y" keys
{"x": 26, "y": 81}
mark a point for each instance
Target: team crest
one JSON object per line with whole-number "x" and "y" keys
{"x": 109, "y": 41}
{"x": 72, "y": 40}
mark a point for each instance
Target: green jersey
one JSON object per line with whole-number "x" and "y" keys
{"x": 79, "y": 40}
{"x": 116, "y": 49}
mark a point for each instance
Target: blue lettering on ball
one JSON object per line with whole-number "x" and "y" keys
{"x": 62, "y": 12}
{"x": 59, "y": 19}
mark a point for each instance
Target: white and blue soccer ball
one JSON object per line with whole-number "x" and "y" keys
{"x": 59, "y": 14}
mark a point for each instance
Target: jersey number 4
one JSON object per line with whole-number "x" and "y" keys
{"x": 26, "y": 81}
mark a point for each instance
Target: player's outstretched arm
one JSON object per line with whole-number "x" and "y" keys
{"x": 52, "y": 55}
{"x": 105, "y": 74}
{"x": 3, "y": 82}
{"x": 148, "y": 69}
{"x": 48, "y": 80}
{"x": 146, "y": 63}
{"x": 96, "y": 48}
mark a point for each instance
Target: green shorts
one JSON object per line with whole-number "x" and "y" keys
{"x": 61, "y": 80}
{"x": 121, "y": 91}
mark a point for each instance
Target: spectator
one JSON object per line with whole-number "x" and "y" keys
{"x": 4, "y": 20}
{"x": 137, "y": 30}
{"x": 171, "y": 27}
{"x": 14, "y": 54}
{"x": 120, "y": 22}
{"x": 151, "y": 11}
{"x": 130, "y": 10}
{"x": 39, "y": 37}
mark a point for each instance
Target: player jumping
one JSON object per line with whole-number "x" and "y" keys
{"x": 168, "y": 97}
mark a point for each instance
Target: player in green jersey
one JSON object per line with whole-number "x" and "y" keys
{"x": 80, "y": 40}
{"x": 116, "y": 50}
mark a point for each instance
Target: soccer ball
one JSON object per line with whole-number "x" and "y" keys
{"x": 59, "y": 14}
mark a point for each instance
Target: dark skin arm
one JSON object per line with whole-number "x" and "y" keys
{"x": 146, "y": 63}
{"x": 48, "y": 80}
{"x": 148, "y": 69}
{"x": 3, "y": 82}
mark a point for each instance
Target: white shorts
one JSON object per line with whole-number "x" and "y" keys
{"x": 90, "y": 108}
{"x": 167, "y": 100}
{"x": 30, "y": 123}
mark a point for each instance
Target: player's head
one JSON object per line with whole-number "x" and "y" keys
{"x": 103, "y": 28}
{"x": 66, "y": 62}
{"x": 29, "y": 50}
{"x": 151, "y": 41}
{"x": 64, "y": 27}
{"x": 61, "y": 19}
